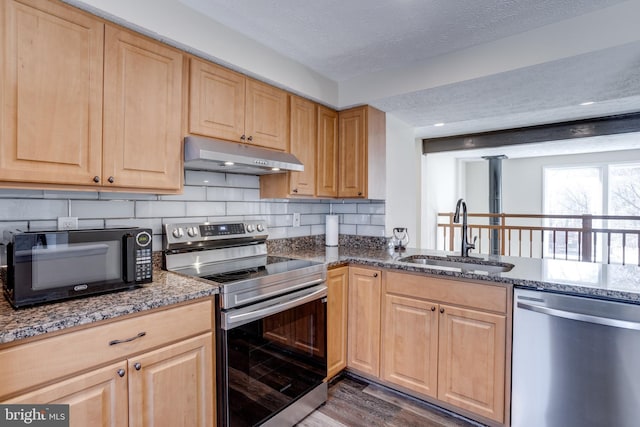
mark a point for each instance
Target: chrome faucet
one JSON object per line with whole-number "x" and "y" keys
{"x": 466, "y": 246}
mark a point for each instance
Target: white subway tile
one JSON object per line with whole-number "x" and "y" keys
{"x": 347, "y": 229}
{"x": 154, "y": 224}
{"x": 90, "y": 223}
{"x": 183, "y": 220}
{"x": 250, "y": 194}
{"x": 243, "y": 208}
{"x": 377, "y": 219}
{"x": 13, "y": 225}
{"x": 72, "y": 195}
{"x": 317, "y": 229}
{"x": 355, "y": 219}
{"x": 372, "y": 208}
{"x": 225, "y": 219}
{"x": 206, "y": 208}
{"x": 204, "y": 178}
{"x": 156, "y": 243}
{"x": 298, "y": 231}
{"x": 28, "y": 209}
{"x": 190, "y": 192}
{"x": 159, "y": 209}
{"x": 242, "y": 181}
{"x": 370, "y": 230}
{"x": 110, "y": 195}
{"x": 225, "y": 194}
{"x": 43, "y": 225}
{"x": 345, "y": 208}
{"x": 311, "y": 219}
{"x": 101, "y": 209}
{"x": 278, "y": 232}
{"x": 21, "y": 194}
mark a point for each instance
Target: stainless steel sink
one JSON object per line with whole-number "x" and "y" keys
{"x": 464, "y": 264}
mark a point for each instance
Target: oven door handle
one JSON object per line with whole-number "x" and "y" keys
{"x": 230, "y": 320}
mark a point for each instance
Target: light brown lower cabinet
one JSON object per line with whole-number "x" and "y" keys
{"x": 447, "y": 340}
{"x": 337, "y": 307}
{"x": 153, "y": 380}
{"x": 363, "y": 354}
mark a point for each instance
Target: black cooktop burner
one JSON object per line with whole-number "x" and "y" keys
{"x": 274, "y": 265}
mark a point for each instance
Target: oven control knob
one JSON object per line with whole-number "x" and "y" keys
{"x": 192, "y": 231}
{"x": 250, "y": 228}
{"x": 178, "y": 233}
{"x": 260, "y": 228}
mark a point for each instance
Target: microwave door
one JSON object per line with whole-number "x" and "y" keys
{"x": 63, "y": 265}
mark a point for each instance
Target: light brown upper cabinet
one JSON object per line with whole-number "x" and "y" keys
{"x": 142, "y": 110}
{"x": 51, "y": 97}
{"x": 302, "y": 125}
{"x": 362, "y": 153}
{"x": 327, "y": 153}
{"x": 227, "y": 105}
{"x": 55, "y": 94}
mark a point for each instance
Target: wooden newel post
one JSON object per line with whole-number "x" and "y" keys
{"x": 587, "y": 238}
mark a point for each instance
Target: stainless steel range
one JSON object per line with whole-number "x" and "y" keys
{"x": 270, "y": 319}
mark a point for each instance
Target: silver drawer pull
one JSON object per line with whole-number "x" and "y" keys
{"x": 140, "y": 335}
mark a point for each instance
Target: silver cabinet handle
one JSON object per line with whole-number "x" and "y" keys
{"x": 232, "y": 320}
{"x": 581, "y": 317}
{"x": 121, "y": 373}
{"x": 137, "y": 366}
{"x": 115, "y": 342}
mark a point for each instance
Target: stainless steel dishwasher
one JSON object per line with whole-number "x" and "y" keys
{"x": 576, "y": 361}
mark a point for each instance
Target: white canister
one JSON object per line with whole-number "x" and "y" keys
{"x": 332, "y": 230}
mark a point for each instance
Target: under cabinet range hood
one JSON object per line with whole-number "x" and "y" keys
{"x": 214, "y": 155}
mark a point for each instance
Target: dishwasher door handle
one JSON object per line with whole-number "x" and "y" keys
{"x": 581, "y": 317}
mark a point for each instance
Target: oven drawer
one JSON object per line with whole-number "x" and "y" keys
{"x": 62, "y": 355}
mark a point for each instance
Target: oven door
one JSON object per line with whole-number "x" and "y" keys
{"x": 273, "y": 356}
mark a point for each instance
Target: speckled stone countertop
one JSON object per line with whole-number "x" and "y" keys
{"x": 614, "y": 282}
{"x": 167, "y": 288}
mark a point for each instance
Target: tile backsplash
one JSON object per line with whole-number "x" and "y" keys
{"x": 207, "y": 196}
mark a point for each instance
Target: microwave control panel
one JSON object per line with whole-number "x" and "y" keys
{"x": 144, "y": 265}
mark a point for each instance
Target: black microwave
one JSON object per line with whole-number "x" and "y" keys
{"x": 46, "y": 266}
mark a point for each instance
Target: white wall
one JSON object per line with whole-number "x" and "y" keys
{"x": 403, "y": 179}
{"x": 439, "y": 193}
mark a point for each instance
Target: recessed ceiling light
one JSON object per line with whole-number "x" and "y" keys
{"x": 439, "y": 124}
{"x": 228, "y": 163}
{"x": 584, "y": 104}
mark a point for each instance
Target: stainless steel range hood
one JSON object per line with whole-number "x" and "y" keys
{"x": 214, "y": 155}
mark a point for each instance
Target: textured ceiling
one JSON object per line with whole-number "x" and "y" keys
{"x": 346, "y": 40}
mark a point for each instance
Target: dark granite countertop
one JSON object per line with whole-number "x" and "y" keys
{"x": 614, "y": 282}
{"x": 167, "y": 288}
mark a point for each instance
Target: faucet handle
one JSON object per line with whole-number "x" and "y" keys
{"x": 473, "y": 244}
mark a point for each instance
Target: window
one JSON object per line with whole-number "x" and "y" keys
{"x": 612, "y": 190}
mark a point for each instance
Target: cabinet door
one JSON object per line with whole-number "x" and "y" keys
{"x": 97, "y": 398}
{"x": 364, "y": 320}
{"x": 472, "y": 361}
{"x": 303, "y": 146}
{"x": 142, "y": 112}
{"x": 337, "y": 305}
{"x": 266, "y": 116}
{"x": 173, "y": 386}
{"x": 353, "y": 153}
{"x": 410, "y": 344}
{"x": 216, "y": 101}
{"x": 327, "y": 155}
{"x": 51, "y": 99}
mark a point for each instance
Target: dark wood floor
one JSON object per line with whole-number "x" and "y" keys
{"x": 353, "y": 402}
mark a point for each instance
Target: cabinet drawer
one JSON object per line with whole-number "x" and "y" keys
{"x": 37, "y": 362}
{"x": 467, "y": 294}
